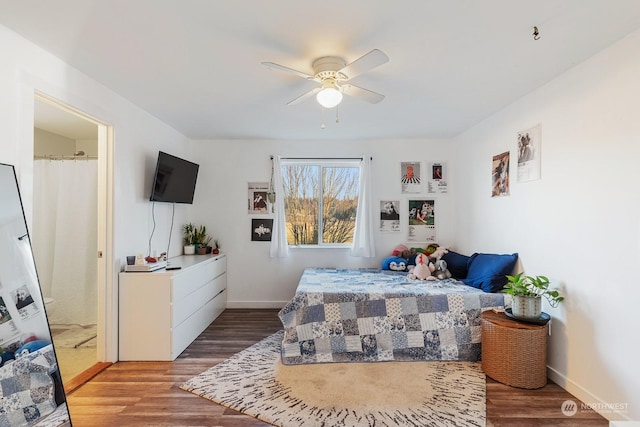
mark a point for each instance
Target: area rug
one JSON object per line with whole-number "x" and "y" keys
{"x": 76, "y": 337}
{"x": 256, "y": 383}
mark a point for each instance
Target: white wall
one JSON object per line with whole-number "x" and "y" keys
{"x": 255, "y": 279}
{"x": 138, "y": 136}
{"x": 579, "y": 223}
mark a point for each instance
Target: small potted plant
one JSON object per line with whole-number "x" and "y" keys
{"x": 201, "y": 239}
{"x": 527, "y": 293}
{"x": 188, "y": 239}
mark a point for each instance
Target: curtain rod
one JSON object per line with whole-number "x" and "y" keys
{"x": 323, "y": 158}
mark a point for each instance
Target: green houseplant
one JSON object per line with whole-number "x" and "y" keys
{"x": 201, "y": 239}
{"x": 527, "y": 293}
{"x": 188, "y": 239}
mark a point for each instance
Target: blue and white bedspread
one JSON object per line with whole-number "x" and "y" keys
{"x": 371, "y": 315}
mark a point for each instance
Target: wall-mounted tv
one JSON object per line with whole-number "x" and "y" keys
{"x": 174, "y": 180}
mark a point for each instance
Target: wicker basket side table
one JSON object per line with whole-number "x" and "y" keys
{"x": 514, "y": 353}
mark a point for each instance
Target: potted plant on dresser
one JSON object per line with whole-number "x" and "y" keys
{"x": 188, "y": 239}
{"x": 527, "y": 293}
{"x": 201, "y": 239}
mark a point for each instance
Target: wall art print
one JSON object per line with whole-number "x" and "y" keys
{"x": 438, "y": 175}
{"x": 410, "y": 177}
{"x": 529, "y": 143}
{"x": 257, "y": 200}
{"x": 422, "y": 221}
{"x": 500, "y": 175}
{"x": 389, "y": 215}
{"x": 261, "y": 229}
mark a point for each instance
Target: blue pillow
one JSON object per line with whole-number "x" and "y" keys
{"x": 488, "y": 271}
{"x": 457, "y": 264}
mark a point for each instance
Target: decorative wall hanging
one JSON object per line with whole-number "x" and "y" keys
{"x": 261, "y": 229}
{"x": 500, "y": 175}
{"x": 389, "y": 215}
{"x": 529, "y": 142}
{"x": 422, "y": 221}
{"x": 438, "y": 175}
{"x": 258, "y": 197}
{"x": 410, "y": 180}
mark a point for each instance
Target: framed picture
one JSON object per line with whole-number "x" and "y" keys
{"x": 261, "y": 229}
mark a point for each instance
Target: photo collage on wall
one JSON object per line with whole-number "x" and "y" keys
{"x": 260, "y": 201}
{"x": 419, "y": 213}
{"x": 528, "y": 149}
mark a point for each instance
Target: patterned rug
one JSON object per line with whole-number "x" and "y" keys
{"x": 256, "y": 383}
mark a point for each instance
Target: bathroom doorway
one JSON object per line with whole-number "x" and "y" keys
{"x": 65, "y": 232}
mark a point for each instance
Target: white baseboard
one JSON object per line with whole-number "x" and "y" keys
{"x": 257, "y": 304}
{"x": 610, "y": 411}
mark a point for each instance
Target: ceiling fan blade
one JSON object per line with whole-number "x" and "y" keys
{"x": 275, "y": 66}
{"x": 361, "y": 93}
{"x": 366, "y": 62}
{"x": 304, "y": 96}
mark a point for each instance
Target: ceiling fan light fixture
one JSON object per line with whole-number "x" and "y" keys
{"x": 329, "y": 97}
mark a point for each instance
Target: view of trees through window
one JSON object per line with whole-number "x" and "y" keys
{"x": 313, "y": 188}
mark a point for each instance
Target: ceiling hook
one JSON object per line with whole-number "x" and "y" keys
{"x": 536, "y": 33}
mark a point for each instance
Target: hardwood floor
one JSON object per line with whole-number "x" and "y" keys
{"x": 147, "y": 393}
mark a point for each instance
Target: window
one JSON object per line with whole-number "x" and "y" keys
{"x": 312, "y": 187}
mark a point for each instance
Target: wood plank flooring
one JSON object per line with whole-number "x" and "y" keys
{"x": 147, "y": 393}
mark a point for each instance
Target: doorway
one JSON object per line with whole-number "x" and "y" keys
{"x": 66, "y": 232}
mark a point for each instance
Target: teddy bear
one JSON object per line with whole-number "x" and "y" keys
{"x": 423, "y": 268}
{"x": 441, "y": 272}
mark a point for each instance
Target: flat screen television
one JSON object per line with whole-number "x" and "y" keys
{"x": 174, "y": 180}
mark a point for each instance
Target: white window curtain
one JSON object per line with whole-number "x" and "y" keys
{"x": 363, "y": 242}
{"x": 279, "y": 246}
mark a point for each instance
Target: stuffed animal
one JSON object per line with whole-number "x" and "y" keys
{"x": 394, "y": 263}
{"x": 431, "y": 249}
{"x": 398, "y": 250}
{"x": 438, "y": 252}
{"x": 30, "y": 347}
{"x": 422, "y": 269}
{"x": 441, "y": 272}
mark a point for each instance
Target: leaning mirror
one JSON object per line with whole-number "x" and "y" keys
{"x": 31, "y": 391}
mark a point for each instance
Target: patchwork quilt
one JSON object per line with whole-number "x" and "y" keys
{"x": 371, "y": 315}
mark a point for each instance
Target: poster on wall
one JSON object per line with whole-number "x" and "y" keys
{"x": 261, "y": 229}
{"x": 500, "y": 175}
{"x": 529, "y": 142}
{"x": 438, "y": 175}
{"x": 422, "y": 221}
{"x": 24, "y": 303}
{"x": 389, "y": 215}
{"x": 257, "y": 201}
{"x": 410, "y": 180}
{"x": 8, "y": 330}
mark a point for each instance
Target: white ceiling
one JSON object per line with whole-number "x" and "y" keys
{"x": 195, "y": 64}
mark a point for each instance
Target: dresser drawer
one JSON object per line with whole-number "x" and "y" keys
{"x": 184, "y": 307}
{"x": 187, "y": 281}
{"x": 185, "y": 333}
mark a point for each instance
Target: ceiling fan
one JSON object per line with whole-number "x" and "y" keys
{"x": 332, "y": 74}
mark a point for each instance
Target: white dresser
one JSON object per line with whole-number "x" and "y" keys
{"x": 162, "y": 312}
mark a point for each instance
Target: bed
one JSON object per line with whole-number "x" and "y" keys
{"x": 372, "y": 315}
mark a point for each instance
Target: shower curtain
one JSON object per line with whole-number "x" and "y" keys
{"x": 65, "y": 237}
